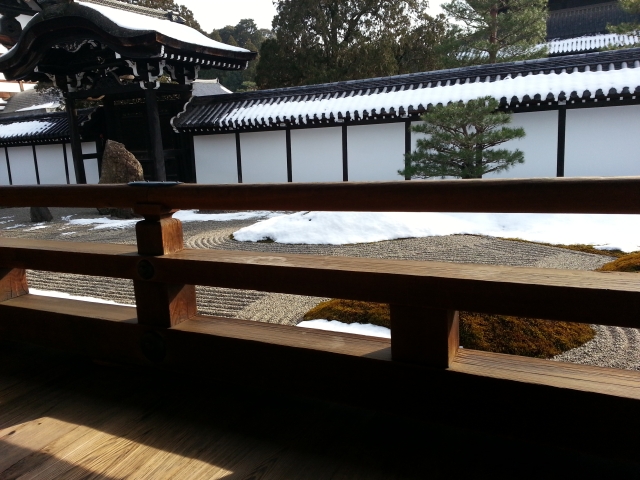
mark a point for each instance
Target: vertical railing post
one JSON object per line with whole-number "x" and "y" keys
{"x": 424, "y": 336}
{"x": 160, "y": 304}
{"x": 13, "y": 283}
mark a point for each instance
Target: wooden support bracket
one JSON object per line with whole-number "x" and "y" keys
{"x": 160, "y": 304}
{"x": 13, "y": 283}
{"x": 425, "y": 336}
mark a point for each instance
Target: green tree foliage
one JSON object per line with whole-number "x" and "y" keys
{"x": 332, "y": 40}
{"x": 245, "y": 34}
{"x": 632, "y": 7}
{"x": 460, "y": 139}
{"x": 490, "y": 31}
{"x": 169, "y": 5}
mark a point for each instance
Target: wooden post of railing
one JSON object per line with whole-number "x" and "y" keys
{"x": 425, "y": 336}
{"x": 13, "y": 283}
{"x": 160, "y": 304}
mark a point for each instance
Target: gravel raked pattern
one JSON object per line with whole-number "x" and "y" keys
{"x": 615, "y": 347}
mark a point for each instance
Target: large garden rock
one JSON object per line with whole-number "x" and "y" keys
{"x": 119, "y": 165}
{"x": 40, "y": 214}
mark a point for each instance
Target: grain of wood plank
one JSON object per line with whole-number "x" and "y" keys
{"x": 539, "y": 195}
{"x": 586, "y": 297}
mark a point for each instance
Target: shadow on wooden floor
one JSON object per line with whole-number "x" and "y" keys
{"x": 63, "y": 416}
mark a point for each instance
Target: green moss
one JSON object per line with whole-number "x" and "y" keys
{"x": 627, "y": 263}
{"x": 492, "y": 333}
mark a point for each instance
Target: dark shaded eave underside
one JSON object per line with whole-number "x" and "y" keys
{"x": 72, "y": 22}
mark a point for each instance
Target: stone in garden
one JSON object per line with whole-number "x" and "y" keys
{"x": 40, "y": 214}
{"x": 119, "y": 165}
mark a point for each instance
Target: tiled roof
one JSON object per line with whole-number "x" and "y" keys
{"x": 40, "y": 127}
{"x": 543, "y": 80}
{"x": 29, "y": 98}
{"x": 588, "y": 20}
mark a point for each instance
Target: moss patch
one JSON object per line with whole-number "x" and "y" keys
{"x": 492, "y": 333}
{"x": 578, "y": 247}
{"x": 627, "y": 263}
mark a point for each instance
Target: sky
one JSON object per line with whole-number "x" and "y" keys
{"x": 213, "y": 14}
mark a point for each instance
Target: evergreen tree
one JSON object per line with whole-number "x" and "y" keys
{"x": 632, "y": 7}
{"x": 460, "y": 139}
{"x": 169, "y": 5}
{"x": 496, "y": 30}
{"x": 332, "y": 40}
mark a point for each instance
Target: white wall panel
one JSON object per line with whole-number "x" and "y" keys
{"x": 216, "y": 159}
{"x": 91, "y": 171}
{"x": 603, "y": 141}
{"x": 4, "y": 171}
{"x": 51, "y": 164}
{"x": 316, "y": 155}
{"x": 376, "y": 152}
{"x": 72, "y": 170}
{"x": 540, "y": 146}
{"x": 264, "y": 157}
{"x": 23, "y": 169}
{"x": 88, "y": 148}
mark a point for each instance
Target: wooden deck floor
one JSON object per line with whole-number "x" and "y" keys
{"x": 64, "y": 416}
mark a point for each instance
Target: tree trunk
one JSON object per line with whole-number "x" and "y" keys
{"x": 493, "y": 37}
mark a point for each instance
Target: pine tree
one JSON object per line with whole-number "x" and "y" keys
{"x": 632, "y": 7}
{"x": 460, "y": 140}
{"x": 497, "y": 30}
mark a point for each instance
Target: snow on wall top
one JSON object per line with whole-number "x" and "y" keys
{"x": 177, "y": 31}
{"x": 590, "y": 43}
{"x": 298, "y": 108}
{"x": 23, "y": 129}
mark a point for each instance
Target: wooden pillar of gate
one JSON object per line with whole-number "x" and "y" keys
{"x": 160, "y": 304}
{"x": 13, "y": 283}
{"x": 424, "y": 336}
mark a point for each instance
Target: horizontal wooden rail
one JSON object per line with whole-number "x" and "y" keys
{"x": 550, "y": 195}
{"x": 568, "y": 295}
{"x": 424, "y": 297}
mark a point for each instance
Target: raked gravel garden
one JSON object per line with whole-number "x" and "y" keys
{"x": 462, "y": 238}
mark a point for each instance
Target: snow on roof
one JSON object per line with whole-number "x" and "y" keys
{"x": 540, "y": 81}
{"x": 177, "y": 31}
{"x": 203, "y": 88}
{"x": 590, "y": 43}
{"x": 23, "y": 129}
{"x": 39, "y": 107}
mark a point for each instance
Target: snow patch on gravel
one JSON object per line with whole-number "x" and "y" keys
{"x": 339, "y": 228}
{"x": 357, "y": 328}
{"x": 49, "y": 293}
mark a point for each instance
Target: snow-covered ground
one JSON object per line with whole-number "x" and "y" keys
{"x": 358, "y": 328}
{"x": 338, "y": 228}
{"x": 48, "y": 293}
{"x": 183, "y": 215}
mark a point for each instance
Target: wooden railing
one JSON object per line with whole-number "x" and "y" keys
{"x": 165, "y": 329}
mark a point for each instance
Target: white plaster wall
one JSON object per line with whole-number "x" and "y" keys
{"x": 316, "y": 155}
{"x": 540, "y": 146}
{"x": 51, "y": 164}
{"x": 23, "y": 169}
{"x": 91, "y": 171}
{"x": 216, "y": 158}
{"x": 264, "y": 157}
{"x": 4, "y": 172}
{"x": 603, "y": 141}
{"x": 72, "y": 171}
{"x": 376, "y": 152}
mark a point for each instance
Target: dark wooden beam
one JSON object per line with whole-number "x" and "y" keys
{"x": 156, "y": 152}
{"x": 562, "y": 134}
{"x": 76, "y": 146}
{"x": 345, "y": 154}
{"x": 6, "y": 155}
{"x": 239, "y": 157}
{"x": 407, "y": 145}
{"x": 35, "y": 163}
{"x": 66, "y": 161}
{"x": 289, "y": 160}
